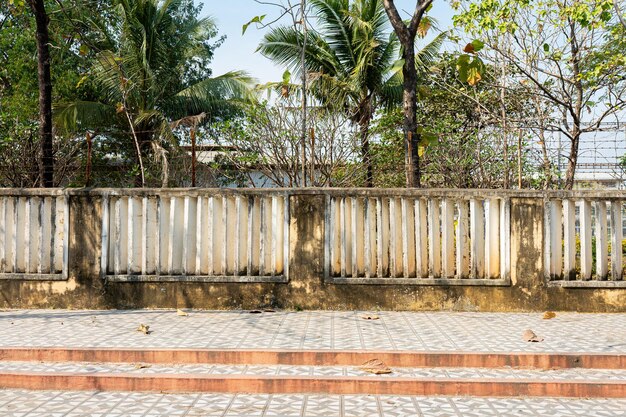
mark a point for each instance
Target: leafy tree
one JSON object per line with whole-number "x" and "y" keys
{"x": 45, "y": 91}
{"x": 465, "y": 149}
{"x": 350, "y": 60}
{"x": 20, "y": 144}
{"x": 155, "y": 75}
{"x": 407, "y": 32}
{"x": 564, "y": 52}
{"x": 263, "y": 146}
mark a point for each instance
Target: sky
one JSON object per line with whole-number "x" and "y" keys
{"x": 238, "y": 52}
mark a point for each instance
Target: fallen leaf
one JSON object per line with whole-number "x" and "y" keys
{"x": 269, "y": 310}
{"x": 141, "y": 366}
{"x": 376, "y": 366}
{"x": 530, "y": 336}
{"x": 370, "y": 317}
{"x": 182, "y": 313}
{"x": 144, "y": 329}
{"x": 255, "y": 311}
{"x": 549, "y": 315}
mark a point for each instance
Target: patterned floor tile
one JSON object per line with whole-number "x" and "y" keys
{"x": 430, "y": 331}
{"x": 111, "y": 404}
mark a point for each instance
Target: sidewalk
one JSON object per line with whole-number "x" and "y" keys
{"x": 414, "y": 331}
{"x": 369, "y": 332}
{"x": 124, "y": 404}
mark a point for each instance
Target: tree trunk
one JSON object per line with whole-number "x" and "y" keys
{"x": 366, "y": 154}
{"x": 406, "y": 35}
{"x": 409, "y": 107}
{"x": 45, "y": 93}
{"x": 573, "y": 158}
{"x": 576, "y": 110}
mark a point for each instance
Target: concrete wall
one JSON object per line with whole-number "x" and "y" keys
{"x": 309, "y": 280}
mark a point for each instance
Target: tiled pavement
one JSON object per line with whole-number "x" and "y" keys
{"x": 420, "y": 331}
{"x": 424, "y": 331}
{"x": 18, "y": 403}
{"x": 331, "y": 371}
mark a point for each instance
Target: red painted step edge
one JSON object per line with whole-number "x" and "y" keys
{"x": 311, "y": 384}
{"x": 318, "y": 357}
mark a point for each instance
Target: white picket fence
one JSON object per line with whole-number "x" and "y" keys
{"x": 202, "y": 237}
{"x": 34, "y": 233}
{"x": 418, "y": 239}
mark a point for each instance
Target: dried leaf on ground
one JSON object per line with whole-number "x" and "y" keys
{"x": 142, "y": 365}
{"x": 530, "y": 336}
{"x": 549, "y": 315}
{"x": 269, "y": 310}
{"x": 182, "y": 313}
{"x": 376, "y": 366}
{"x": 143, "y": 328}
{"x": 255, "y": 311}
{"x": 370, "y": 317}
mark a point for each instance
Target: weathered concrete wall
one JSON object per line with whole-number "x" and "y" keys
{"x": 307, "y": 287}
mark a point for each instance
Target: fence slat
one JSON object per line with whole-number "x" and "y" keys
{"x": 27, "y": 233}
{"x": 616, "y": 240}
{"x": 210, "y": 235}
{"x": 53, "y": 234}
{"x": 367, "y": 232}
{"x": 200, "y": 210}
{"x": 585, "y": 240}
{"x": 40, "y": 235}
{"x": 144, "y": 235}
{"x": 226, "y": 235}
{"x": 379, "y": 237}
{"x": 462, "y": 241}
{"x": 447, "y": 234}
{"x": 393, "y": 238}
{"x": 130, "y": 225}
{"x": 492, "y": 239}
{"x": 118, "y": 236}
{"x": 275, "y": 221}
{"x": 556, "y": 259}
{"x": 14, "y": 233}
{"x": 408, "y": 238}
{"x": 186, "y": 219}
{"x": 3, "y": 234}
{"x": 434, "y": 238}
{"x": 602, "y": 267}
{"x": 421, "y": 238}
{"x": 344, "y": 240}
{"x": 159, "y": 236}
{"x": 569, "y": 240}
{"x": 250, "y": 239}
{"x": 262, "y": 237}
{"x": 477, "y": 235}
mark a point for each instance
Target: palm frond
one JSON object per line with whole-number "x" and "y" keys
{"x": 229, "y": 89}
{"x": 84, "y": 115}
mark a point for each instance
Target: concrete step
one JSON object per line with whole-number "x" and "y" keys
{"x": 291, "y": 379}
{"x": 535, "y": 360}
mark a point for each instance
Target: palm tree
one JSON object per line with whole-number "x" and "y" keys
{"x": 155, "y": 76}
{"x": 351, "y": 59}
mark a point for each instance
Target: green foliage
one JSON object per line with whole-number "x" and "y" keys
{"x": 256, "y": 19}
{"x": 460, "y": 146}
{"x": 19, "y": 118}
{"x": 153, "y": 79}
{"x": 352, "y": 58}
{"x": 512, "y": 16}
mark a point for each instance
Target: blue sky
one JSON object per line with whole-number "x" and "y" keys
{"x": 237, "y": 53}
